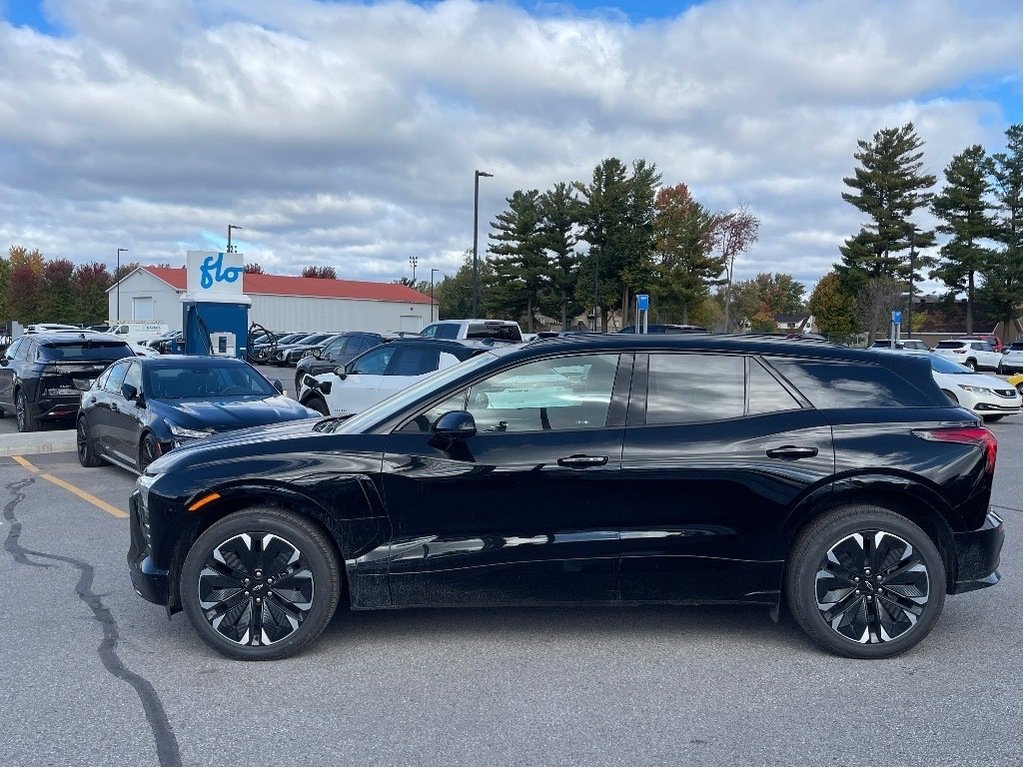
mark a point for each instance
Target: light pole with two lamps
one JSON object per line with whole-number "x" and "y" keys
{"x": 413, "y": 261}
{"x": 432, "y": 271}
{"x": 230, "y": 227}
{"x": 476, "y": 217}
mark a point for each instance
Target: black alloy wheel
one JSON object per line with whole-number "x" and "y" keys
{"x": 260, "y": 584}
{"x": 865, "y": 582}
{"x": 972, "y": 365}
{"x": 87, "y": 455}
{"x": 25, "y": 421}
{"x": 149, "y": 451}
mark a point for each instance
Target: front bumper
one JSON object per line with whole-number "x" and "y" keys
{"x": 149, "y": 581}
{"x": 977, "y": 555}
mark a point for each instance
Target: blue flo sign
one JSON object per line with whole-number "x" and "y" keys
{"x": 214, "y": 274}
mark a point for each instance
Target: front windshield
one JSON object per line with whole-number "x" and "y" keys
{"x": 205, "y": 382}
{"x": 400, "y": 400}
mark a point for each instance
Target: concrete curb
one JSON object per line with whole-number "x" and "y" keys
{"x": 29, "y": 443}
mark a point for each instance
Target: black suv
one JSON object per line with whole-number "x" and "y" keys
{"x": 339, "y": 351}
{"x": 611, "y": 469}
{"x": 43, "y": 375}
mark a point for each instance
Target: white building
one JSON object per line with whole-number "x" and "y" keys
{"x": 280, "y": 303}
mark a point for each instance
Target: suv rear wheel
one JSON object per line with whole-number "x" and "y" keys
{"x": 25, "y": 421}
{"x": 865, "y": 582}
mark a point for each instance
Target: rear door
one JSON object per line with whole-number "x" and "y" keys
{"x": 721, "y": 448}
{"x": 360, "y": 386}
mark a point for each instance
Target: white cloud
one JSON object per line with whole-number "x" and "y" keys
{"x": 347, "y": 134}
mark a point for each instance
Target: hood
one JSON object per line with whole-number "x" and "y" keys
{"x": 225, "y": 415}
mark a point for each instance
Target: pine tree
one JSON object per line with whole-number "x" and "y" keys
{"x": 520, "y": 269}
{"x": 966, "y": 213}
{"x": 557, "y": 234}
{"x": 1002, "y": 274}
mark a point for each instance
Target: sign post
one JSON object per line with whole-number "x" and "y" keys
{"x": 642, "y": 304}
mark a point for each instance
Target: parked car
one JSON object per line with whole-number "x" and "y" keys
{"x": 600, "y": 469}
{"x": 976, "y": 354}
{"x": 379, "y": 372}
{"x": 994, "y": 340}
{"x": 1017, "y": 382}
{"x": 136, "y": 332}
{"x": 915, "y": 344}
{"x": 497, "y": 330}
{"x": 168, "y": 343}
{"x": 990, "y": 397}
{"x": 1013, "y": 360}
{"x": 264, "y": 346}
{"x": 139, "y": 409}
{"x": 337, "y": 352}
{"x": 42, "y": 374}
{"x": 289, "y": 354}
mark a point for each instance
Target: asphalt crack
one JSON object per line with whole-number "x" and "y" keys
{"x": 166, "y": 744}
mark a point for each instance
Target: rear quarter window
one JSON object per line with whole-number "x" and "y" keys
{"x": 841, "y": 384}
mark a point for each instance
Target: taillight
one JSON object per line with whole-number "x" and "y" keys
{"x": 978, "y": 436}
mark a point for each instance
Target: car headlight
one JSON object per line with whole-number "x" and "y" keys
{"x": 979, "y": 390}
{"x": 144, "y": 483}
{"x": 179, "y": 431}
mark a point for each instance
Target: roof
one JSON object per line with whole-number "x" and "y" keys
{"x": 312, "y": 287}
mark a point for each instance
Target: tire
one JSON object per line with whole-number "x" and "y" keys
{"x": 951, "y": 396}
{"x": 972, "y": 364}
{"x": 149, "y": 451}
{"x": 848, "y": 548}
{"x": 87, "y": 455}
{"x": 318, "y": 404}
{"x": 224, "y": 607}
{"x": 26, "y": 423}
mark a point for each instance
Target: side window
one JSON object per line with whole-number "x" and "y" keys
{"x": 374, "y": 362}
{"x": 688, "y": 388}
{"x": 12, "y": 351}
{"x": 134, "y": 376}
{"x": 116, "y": 377}
{"x": 766, "y": 395}
{"x": 447, "y": 331}
{"x": 101, "y": 382}
{"x": 429, "y": 332}
{"x": 838, "y": 384}
{"x": 410, "y": 361}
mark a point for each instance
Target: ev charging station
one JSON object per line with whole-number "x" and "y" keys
{"x": 215, "y": 312}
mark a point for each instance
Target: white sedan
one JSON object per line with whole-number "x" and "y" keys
{"x": 990, "y": 397}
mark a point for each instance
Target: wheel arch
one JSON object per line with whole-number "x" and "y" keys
{"x": 345, "y": 536}
{"x": 904, "y": 496}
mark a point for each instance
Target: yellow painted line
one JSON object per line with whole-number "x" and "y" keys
{"x": 110, "y": 509}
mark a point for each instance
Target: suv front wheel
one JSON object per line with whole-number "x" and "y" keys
{"x": 865, "y": 582}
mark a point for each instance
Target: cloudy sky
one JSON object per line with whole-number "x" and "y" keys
{"x": 347, "y": 133}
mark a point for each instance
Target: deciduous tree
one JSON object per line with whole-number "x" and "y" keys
{"x": 322, "y": 272}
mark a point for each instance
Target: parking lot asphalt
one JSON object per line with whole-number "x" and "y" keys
{"x": 92, "y": 674}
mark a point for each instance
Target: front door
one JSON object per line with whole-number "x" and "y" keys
{"x": 526, "y": 510}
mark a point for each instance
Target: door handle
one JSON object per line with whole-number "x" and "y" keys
{"x": 582, "y": 461}
{"x": 791, "y": 452}
{"x": 114, "y": 408}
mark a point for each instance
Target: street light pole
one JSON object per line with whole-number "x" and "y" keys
{"x": 476, "y": 217}
{"x": 414, "y": 260}
{"x": 230, "y": 227}
{"x": 432, "y": 271}
{"x": 117, "y": 275}
{"x": 910, "y": 291}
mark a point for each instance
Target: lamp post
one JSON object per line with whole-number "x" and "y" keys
{"x": 117, "y": 275}
{"x": 476, "y": 217}
{"x": 414, "y": 260}
{"x": 432, "y": 271}
{"x": 230, "y": 227}
{"x": 910, "y": 291}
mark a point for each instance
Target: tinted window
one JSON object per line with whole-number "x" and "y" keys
{"x": 684, "y": 388}
{"x": 489, "y": 331}
{"x": 84, "y": 351}
{"x": 766, "y": 394}
{"x": 560, "y": 394}
{"x": 446, "y": 331}
{"x": 413, "y": 361}
{"x": 949, "y": 345}
{"x": 835, "y": 384}
{"x": 374, "y": 362}
{"x": 134, "y": 377}
{"x": 116, "y": 377}
{"x": 942, "y": 365}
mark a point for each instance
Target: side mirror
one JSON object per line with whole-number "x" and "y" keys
{"x": 342, "y": 371}
{"x": 457, "y": 425}
{"x": 279, "y": 386}
{"x": 129, "y": 391}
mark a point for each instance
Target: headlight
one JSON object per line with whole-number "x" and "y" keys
{"x": 144, "y": 483}
{"x": 979, "y": 390}
{"x": 178, "y": 431}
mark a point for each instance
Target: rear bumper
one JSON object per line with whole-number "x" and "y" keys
{"x": 62, "y": 407}
{"x": 977, "y": 555}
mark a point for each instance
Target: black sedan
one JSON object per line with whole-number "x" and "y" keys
{"x": 678, "y": 468}
{"x": 138, "y": 409}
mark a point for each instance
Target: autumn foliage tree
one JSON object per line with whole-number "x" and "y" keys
{"x": 323, "y": 272}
